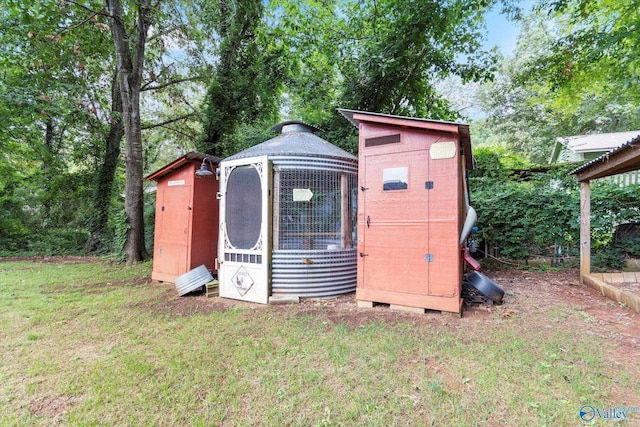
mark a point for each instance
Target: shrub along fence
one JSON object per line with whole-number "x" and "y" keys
{"x": 525, "y": 213}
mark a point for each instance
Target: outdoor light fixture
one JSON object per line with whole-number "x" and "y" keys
{"x": 204, "y": 171}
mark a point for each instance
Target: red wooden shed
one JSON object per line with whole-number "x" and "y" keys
{"x": 186, "y": 221}
{"x": 412, "y": 208}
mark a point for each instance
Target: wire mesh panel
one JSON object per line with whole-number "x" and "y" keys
{"x": 314, "y": 212}
{"x": 314, "y": 227}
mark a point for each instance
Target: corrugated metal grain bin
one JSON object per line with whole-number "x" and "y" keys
{"x": 287, "y": 218}
{"x": 186, "y": 221}
{"x": 412, "y": 206}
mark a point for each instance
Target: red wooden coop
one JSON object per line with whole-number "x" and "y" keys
{"x": 413, "y": 207}
{"x": 186, "y": 220}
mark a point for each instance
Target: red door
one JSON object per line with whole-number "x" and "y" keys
{"x": 409, "y": 229}
{"x": 171, "y": 247}
{"x": 394, "y": 249}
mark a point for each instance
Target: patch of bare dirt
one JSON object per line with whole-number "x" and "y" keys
{"x": 52, "y": 407}
{"x": 169, "y": 302}
{"x": 98, "y": 288}
{"x": 526, "y": 293}
{"x": 58, "y": 259}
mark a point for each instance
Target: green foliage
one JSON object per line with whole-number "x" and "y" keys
{"x": 594, "y": 50}
{"x": 495, "y": 163}
{"x": 536, "y": 213}
{"x": 120, "y": 228}
{"x": 608, "y": 257}
{"x": 42, "y": 208}
{"x": 57, "y": 241}
{"x": 149, "y": 219}
{"x": 383, "y": 56}
{"x": 630, "y": 246}
{"x": 573, "y": 72}
{"x": 117, "y": 228}
{"x": 246, "y": 84}
{"x": 525, "y": 218}
{"x": 58, "y": 104}
{"x": 50, "y": 97}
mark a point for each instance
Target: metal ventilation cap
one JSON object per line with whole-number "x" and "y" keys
{"x": 292, "y": 126}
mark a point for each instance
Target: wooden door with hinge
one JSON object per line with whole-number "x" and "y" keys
{"x": 173, "y": 228}
{"x": 393, "y": 227}
{"x": 245, "y": 229}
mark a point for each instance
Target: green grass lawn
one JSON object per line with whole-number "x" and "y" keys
{"x": 93, "y": 343}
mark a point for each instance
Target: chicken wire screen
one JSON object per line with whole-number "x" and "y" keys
{"x": 311, "y": 210}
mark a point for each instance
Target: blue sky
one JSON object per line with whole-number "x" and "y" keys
{"x": 501, "y": 32}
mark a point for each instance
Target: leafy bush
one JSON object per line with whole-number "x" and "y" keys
{"x": 536, "y": 211}
{"x": 58, "y": 241}
{"x": 525, "y": 219}
{"x": 607, "y": 257}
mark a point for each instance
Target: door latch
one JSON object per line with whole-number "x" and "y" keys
{"x": 368, "y": 221}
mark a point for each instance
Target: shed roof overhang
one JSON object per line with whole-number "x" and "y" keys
{"x": 179, "y": 163}
{"x": 460, "y": 129}
{"x": 623, "y": 159}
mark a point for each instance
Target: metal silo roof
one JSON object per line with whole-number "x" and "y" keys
{"x": 296, "y": 139}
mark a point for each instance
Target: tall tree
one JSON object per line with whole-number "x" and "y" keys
{"x": 247, "y": 79}
{"x": 563, "y": 79}
{"x": 130, "y": 56}
{"x": 380, "y": 55}
{"x": 141, "y": 69}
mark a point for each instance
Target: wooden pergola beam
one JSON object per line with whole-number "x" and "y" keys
{"x": 612, "y": 164}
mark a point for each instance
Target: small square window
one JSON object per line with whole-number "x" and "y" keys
{"x": 395, "y": 178}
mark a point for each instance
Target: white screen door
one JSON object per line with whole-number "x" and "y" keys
{"x": 245, "y": 218}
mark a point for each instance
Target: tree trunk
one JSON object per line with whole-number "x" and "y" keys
{"x": 130, "y": 67}
{"x": 48, "y": 171}
{"x": 134, "y": 197}
{"x": 103, "y": 184}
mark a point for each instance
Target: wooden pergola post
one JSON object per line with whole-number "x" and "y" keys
{"x": 625, "y": 158}
{"x": 585, "y": 228}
